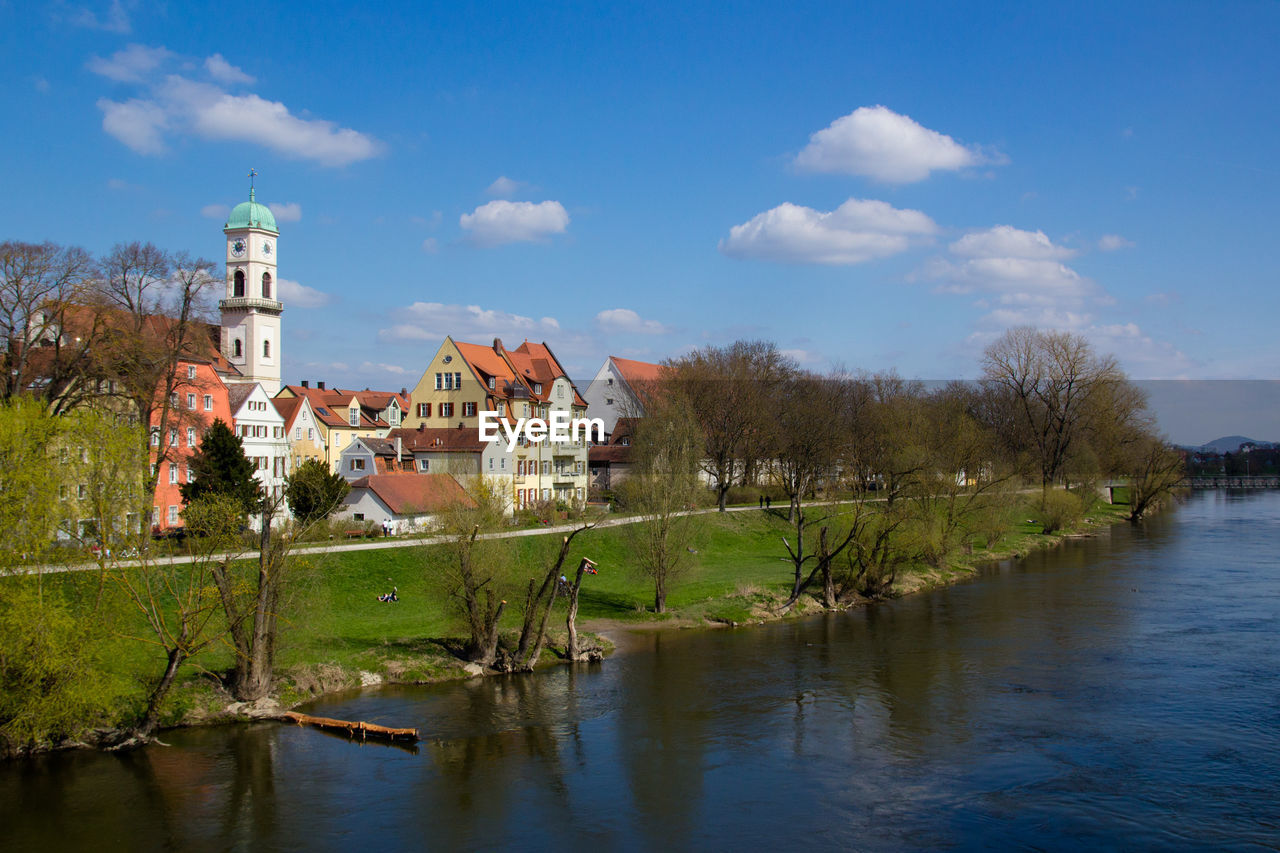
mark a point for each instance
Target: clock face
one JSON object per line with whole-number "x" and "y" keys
{"x": 266, "y": 248}
{"x": 237, "y": 248}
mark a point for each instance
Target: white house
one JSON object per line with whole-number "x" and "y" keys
{"x": 261, "y": 429}
{"x": 617, "y": 390}
{"x": 410, "y": 502}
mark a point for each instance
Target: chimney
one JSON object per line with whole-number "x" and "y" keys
{"x": 397, "y": 448}
{"x": 306, "y": 383}
{"x": 422, "y": 426}
{"x": 404, "y": 392}
{"x": 320, "y": 385}
{"x": 497, "y": 344}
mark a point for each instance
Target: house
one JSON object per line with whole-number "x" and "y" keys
{"x": 260, "y": 427}
{"x": 199, "y": 397}
{"x": 343, "y": 415}
{"x": 365, "y": 456}
{"x": 409, "y": 501}
{"x": 610, "y": 463}
{"x": 464, "y": 379}
{"x": 619, "y": 389}
{"x": 300, "y": 426}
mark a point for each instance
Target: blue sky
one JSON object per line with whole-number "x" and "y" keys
{"x": 874, "y": 186}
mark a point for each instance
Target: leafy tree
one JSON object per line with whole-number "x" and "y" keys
{"x": 313, "y": 492}
{"x": 219, "y": 467}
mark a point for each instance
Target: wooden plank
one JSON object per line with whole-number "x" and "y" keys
{"x": 361, "y": 731}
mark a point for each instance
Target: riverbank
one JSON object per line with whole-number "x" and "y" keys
{"x": 340, "y": 637}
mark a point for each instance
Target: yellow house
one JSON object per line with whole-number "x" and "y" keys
{"x": 340, "y": 416}
{"x": 465, "y": 379}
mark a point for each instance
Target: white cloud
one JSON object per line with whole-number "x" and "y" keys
{"x": 432, "y": 321}
{"x": 501, "y": 222}
{"x": 215, "y": 211}
{"x": 881, "y": 144}
{"x": 431, "y": 245}
{"x": 381, "y": 368}
{"x": 1009, "y": 242}
{"x": 504, "y": 187}
{"x": 300, "y": 296}
{"x": 138, "y": 124}
{"x": 1114, "y": 242}
{"x": 224, "y": 72}
{"x": 289, "y": 211}
{"x": 855, "y": 232}
{"x": 803, "y": 357}
{"x": 626, "y": 321}
{"x": 179, "y": 105}
{"x": 114, "y": 20}
{"x": 133, "y": 64}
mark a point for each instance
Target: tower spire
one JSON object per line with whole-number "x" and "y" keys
{"x": 253, "y": 173}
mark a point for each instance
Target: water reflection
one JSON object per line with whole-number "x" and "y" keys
{"x": 1122, "y": 687}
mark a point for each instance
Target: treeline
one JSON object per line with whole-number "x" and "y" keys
{"x": 922, "y": 471}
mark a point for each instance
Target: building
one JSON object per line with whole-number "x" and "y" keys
{"x": 464, "y": 379}
{"x": 618, "y": 390}
{"x": 410, "y": 502}
{"x": 200, "y": 396}
{"x": 251, "y": 311}
{"x": 305, "y": 438}
{"x": 341, "y": 415}
{"x": 261, "y": 430}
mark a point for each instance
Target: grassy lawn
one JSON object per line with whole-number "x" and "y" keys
{"x": 334, "y": 626}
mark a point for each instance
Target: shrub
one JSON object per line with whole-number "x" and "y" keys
{"x": 1060, "y": 510}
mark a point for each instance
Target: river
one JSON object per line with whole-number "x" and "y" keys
{"x": 1122, "y": 690}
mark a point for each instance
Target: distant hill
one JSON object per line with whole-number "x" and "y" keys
{"x": 1231, "y": 443}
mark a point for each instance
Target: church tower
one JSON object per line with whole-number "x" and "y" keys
{"x": 251, "y": 310}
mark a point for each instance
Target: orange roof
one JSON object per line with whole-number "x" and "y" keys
{"x": 531, "y": 365}
{"x": 438, "y": 439}
{"x": 635, "y": 372}
{"x": 288, "y": 407}
{"x": 413, "y": 494}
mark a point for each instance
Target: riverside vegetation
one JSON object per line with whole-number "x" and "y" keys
{"x": 882, "y": 488}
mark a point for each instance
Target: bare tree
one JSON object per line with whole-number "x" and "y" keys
{"x": 1051, "y": 379}
{"x": 46, "y": 348}
{"x": 540, "y": 603}
{"x": 730, "y": 391}
{"x": 1155, "y": 470}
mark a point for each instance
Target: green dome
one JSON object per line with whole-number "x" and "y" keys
{"x": 250, "y": 214}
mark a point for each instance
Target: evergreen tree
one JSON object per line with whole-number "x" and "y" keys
{"x": 220, "y": 467}
{"x": 313, "y": 492}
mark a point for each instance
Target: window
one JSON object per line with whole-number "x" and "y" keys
{"x": 173, "y": 437}
{"x": 173, "y": 472}
{"x": 82, "y": 492}
{"x": 208, "y": 402}
{"x": 266, "y": 349}
{"x": 173, "y": 514}
{"x": 186, "y": 472}
{"x": 537, "y": 387}
{"x": 546, "y": 466}
{"x": 468, "y": 410}
{"x": 457, "y": 380}
{"x": 191, "y": 436}
{"x": 266, "y": 285}
{"x": 357, "y": 516}
{"x": 357, "y": 465}
{"x": 424, "y": 465}
{"x": 311, "y": 434}
{"x": 191, "y": 372}
{"x": 237, "y": 350}
{"x": 155, "y": 437}
{"x": 191, "y": 402}
{"x": 608, "y": 401}
{"x": 490, "y": 463}
{"x": 173, "y": 399}
{"x": 502, "y": 463}
{"x": 493, "y": 383}
{"x": 560, "y": 391}
{"x": 439, "y": 381}
{"x": 297, "y": 434}
{"x": 237, "y": 288}
{"x": 446, "y": 410}
{"x": 353, "y": 416}
{"x": 393, "y": 415}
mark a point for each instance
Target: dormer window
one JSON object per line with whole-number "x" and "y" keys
{"x": 537, "y": 387}
{"x": 493, "y": 382}
{"x": 354, "y": 415}
{"x": 237, "y": 289}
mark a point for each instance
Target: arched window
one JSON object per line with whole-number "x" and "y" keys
{"x": 238, "y": 288}
{"x": 237, "y": 351}
{"x": 266, "y": 285}
{"x": 266, "y": 349}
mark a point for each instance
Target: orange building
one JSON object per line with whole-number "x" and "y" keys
{"x": 199, "y": 397}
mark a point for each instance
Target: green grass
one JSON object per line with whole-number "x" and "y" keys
{"x": 334, "y": 626}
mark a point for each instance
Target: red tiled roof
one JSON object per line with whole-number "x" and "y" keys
{"x": 529, "y": 364}
{"x": 613, "y": 453}
{"x": 412, "y": 494}
{"x": 288, "y": 407}
{"x": 438, "y": 439}
{"x": 635, "y": 372}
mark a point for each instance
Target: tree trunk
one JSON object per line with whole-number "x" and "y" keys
{"x": 571, "y": 649}
{"x": 152, "y": 717}
{"x": 660, "y": 595}
{"x": 824, "y": 560}
{"x": 487, "y": 653}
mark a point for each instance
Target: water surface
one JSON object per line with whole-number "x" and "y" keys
{"x": 1123, "y": 690}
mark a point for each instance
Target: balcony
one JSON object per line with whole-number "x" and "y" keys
{"x": 250, "y": 303}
